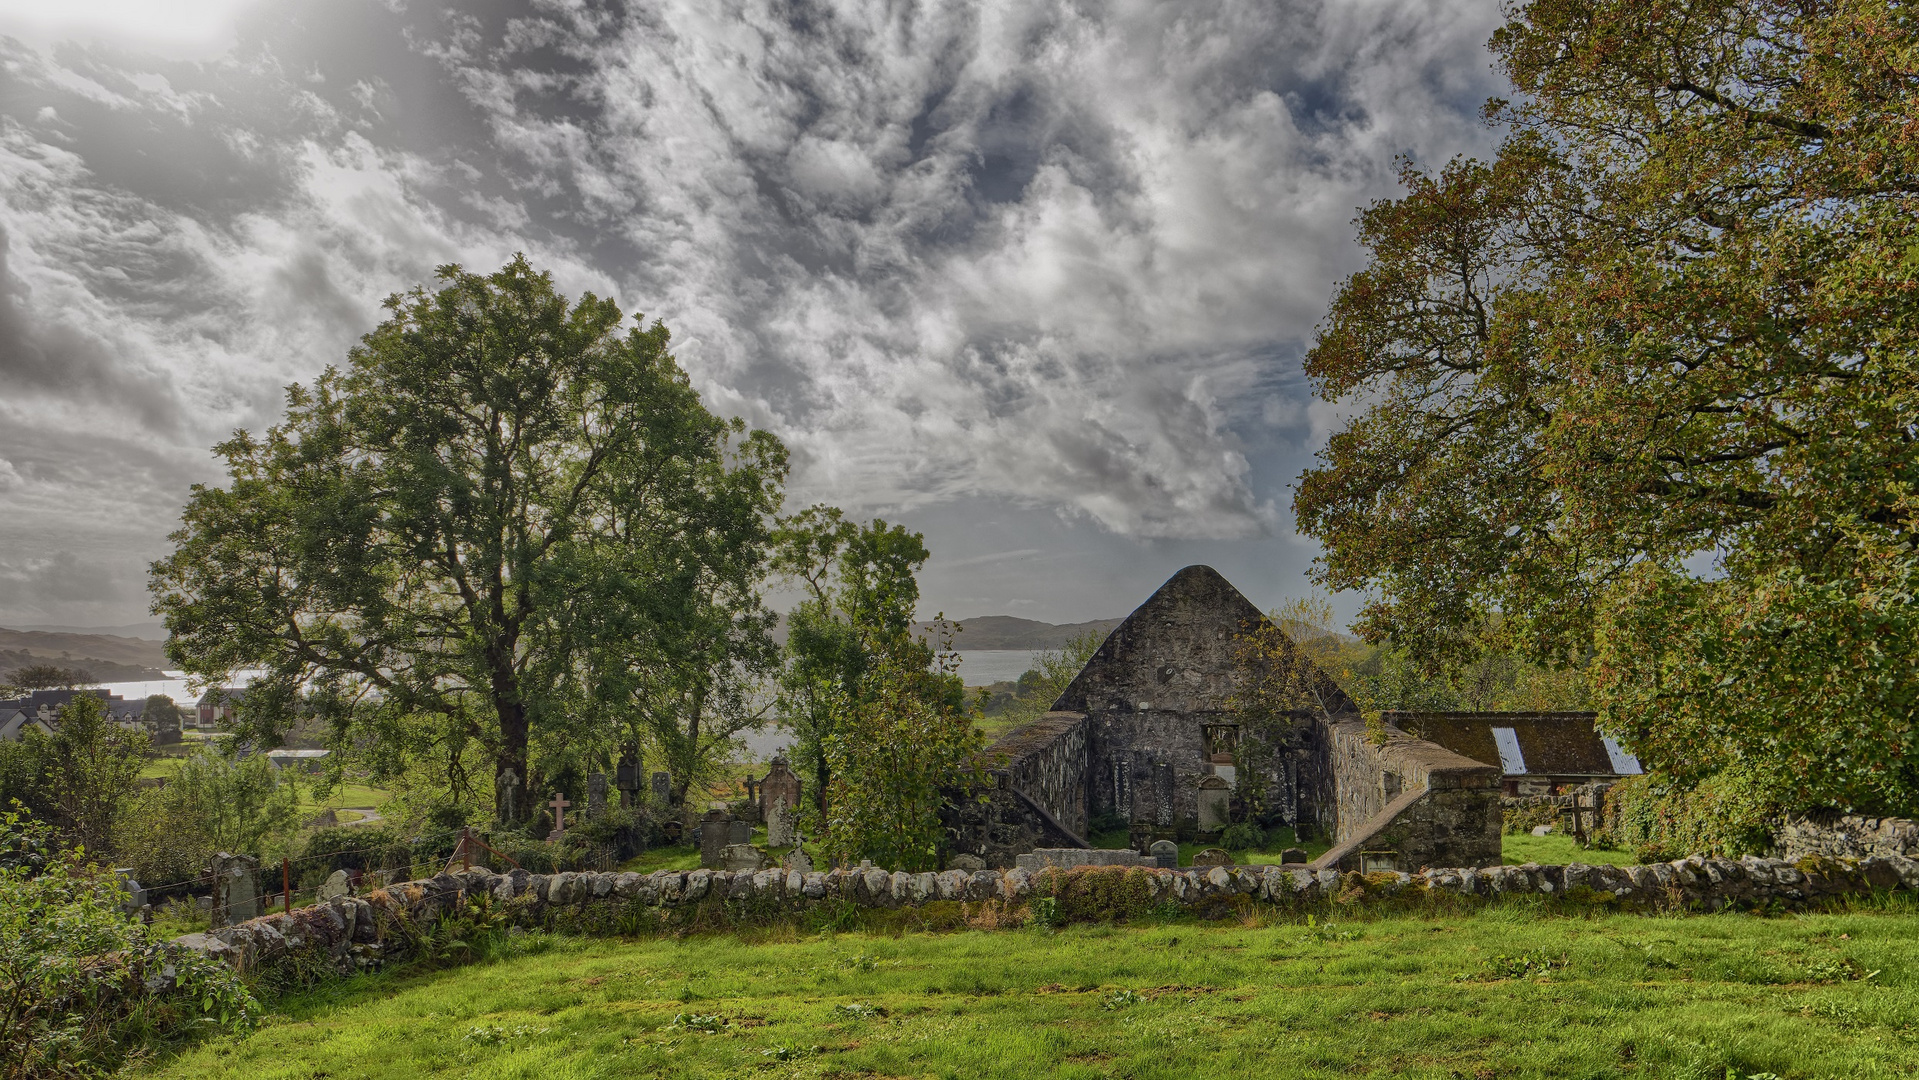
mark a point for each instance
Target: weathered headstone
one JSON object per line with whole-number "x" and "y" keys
{"x": 662, "y": 789}
{"x": 969, "y": 863}
{"x": 1215, "y": 804}
{"x": 626, "y": 777}
{"x": 779, "y": 826}
{"x": 739, "y": 832}
{"x": 596, "y": 797}
{"x": 236, "y": 896}
{"x": 1293, "y": 855}
{"x": 136, "y": 896}
{"x": 1213, "y": 856}
{"x": 506, "y": 787}
{"x": 715, "y": 834}
{"x": 335, "y": 885}
{"x": 797, "y": 859}
{"x": 742, "y": 857}
{"x": 1165, "y": 854}
{"x": 1163, "y": 794}
{"x": 780, "y": 784}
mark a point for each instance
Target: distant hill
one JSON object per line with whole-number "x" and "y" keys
{"x": 152, "y": 629}
{"x": 1010, "y": 632}
{"x": 109, "y": 657}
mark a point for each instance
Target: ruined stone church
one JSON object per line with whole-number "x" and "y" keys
{"x": 1147, "y": 736}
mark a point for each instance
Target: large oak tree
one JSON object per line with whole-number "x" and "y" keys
{"x": 507, "y": 521}
{"x": 1646, "y": 386}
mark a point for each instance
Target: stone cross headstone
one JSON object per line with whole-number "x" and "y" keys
{"x": 596, "y": 797}
{"x": 662, "y": 789}
{"x": 715, "y": 835}
{"x": 236, "y": 896}
{"x": 507, "y": 784}
{"x": 559, "y": 805}
{"x": 1215, "y": 804}
{"x": 335, "y": 885}
{"x": 1165, "y": 854}
{"x": 779, "y": 826}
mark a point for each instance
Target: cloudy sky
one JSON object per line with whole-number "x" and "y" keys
{"x": 1031, "y": 277}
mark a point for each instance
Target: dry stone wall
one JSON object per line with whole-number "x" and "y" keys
{"x": 1046, "y": 761}
{"x": 352, "y": 933}
{"x": 1848, "y": 835}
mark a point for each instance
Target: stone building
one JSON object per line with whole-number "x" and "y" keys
{"x": 780, "y": 785}
{"x": 1146, "y": 735}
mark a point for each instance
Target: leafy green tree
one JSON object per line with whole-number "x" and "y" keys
{"x": 1052, "y": 672}
{"x": 436, "y": 543}
{"x": 1645, "y": 386}
{"x": 851, "y": 636}
{"x": 895, "y": 756}
{"x": 211, "y": 803}
{"x": 81, "y": 776}
{"x": 50, "y": 677}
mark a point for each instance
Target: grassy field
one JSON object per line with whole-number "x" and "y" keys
{"x": 1502, "y": 993}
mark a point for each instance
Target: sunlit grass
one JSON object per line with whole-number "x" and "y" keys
{"x": 1557, "y": 848}
{"x": 1505, "y": 992}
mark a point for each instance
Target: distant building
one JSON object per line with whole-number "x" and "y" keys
{"x": 302, "y": 760}
{"x": 1540, "y": 753}
{"x": 218, "y": 706}
{"x": 41, "y": 708}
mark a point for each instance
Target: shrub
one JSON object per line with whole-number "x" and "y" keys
{"x": 1521, "y": 817}
{"x": 1731, "y": 813}
{"x": 1244, "y": 836}
{"x": 82, "y": 988}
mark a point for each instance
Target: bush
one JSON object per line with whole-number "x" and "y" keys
{"x": 75, "y": 995}
{"x": 1244, "y": 836}
{"x": 1522, "y": 817}
{"x": 1732, "y": 813}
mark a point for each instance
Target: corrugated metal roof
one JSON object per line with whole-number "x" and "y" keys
{"x": 1523, "y": 743}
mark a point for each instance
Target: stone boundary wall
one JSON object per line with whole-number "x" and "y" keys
{"x": 1046, "y": 761}
{"x": 1416, "y": 799}
{"x": 351, "y": 933}
{"x": 1849, "y": 836}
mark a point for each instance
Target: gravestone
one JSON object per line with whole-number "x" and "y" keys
{"x": 626, "y": 777}
{"x": 1213, "y": 856}
{"x": 673, "y": 830}
{"x": 335, "y": 885}
{"x": 1543, "y": 830}
{"x": 779, "y": 826}
{"x": 136, "y": 896}
{"x": 1163, "y": 794}
{"x": 780, "y": 784}
{"x": 739, "y": 832}
{"x": 749, "y": 811}
{"x": 715, "y": 834}
{"x": 559, "y": 805}
{"x": 1165, "y": 854}
{"x": 742, "y": 857}
{"x": 506, "y": 787}
{"x": 797, "y": 859}
{"x": 325, "y": 819}
{"x": 1215, "y": 804}
{"x": 236, "y": 896}
{"x": 663, "y": 789}
{"x": 596, "y": 797}
{"x": 969, "y": 863}
{"x": 1293, "y": 855}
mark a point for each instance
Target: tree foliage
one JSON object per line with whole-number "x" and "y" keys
{"x": 211, "y": 803}
{"x": 895, "y": 756}
{"x": 80, "y": 777}
{"x": 1645, "y": 385}
{"x": 505, "y": 516}
{"x": 851, "y": 636}
{"x": 50, "y": 677}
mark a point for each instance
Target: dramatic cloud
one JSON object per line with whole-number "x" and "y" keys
{"x": 1049, "y": 260}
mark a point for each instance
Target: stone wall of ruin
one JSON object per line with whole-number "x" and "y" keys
{"x": 1046, "y": 761}
{"x": 1418, "y": 800}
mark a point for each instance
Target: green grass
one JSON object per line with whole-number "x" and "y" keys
{"x": 1556, "y": 848}
{"x": 1504, "y": 993}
